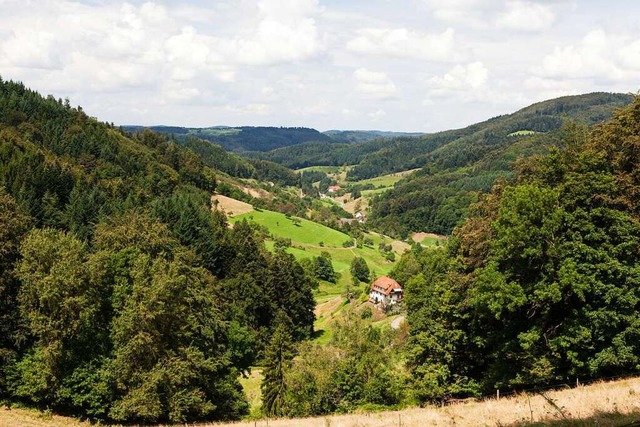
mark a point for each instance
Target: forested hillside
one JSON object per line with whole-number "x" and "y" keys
{"x": 320, "y": 153}
{"x": 457, "y": 164}
{"x": 359, "y": 136}
{"x": 244, "y": 138}
{"x": 122, "y": 297}
{"x": 541, "y": 283}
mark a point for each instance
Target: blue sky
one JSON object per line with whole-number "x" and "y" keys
{"x": 412, "y": 65}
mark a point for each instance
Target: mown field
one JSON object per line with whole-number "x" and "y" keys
{"x": 385, "y": 180}
{"x": 299, "y": 230}
{"x": 604, "y": 404}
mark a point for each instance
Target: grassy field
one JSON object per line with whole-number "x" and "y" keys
{"x": 298, "y": 230}
{"x": 251, "y": 387}
{"x": 522, "y": 133}
{"x": 601, "y": 404}
{"x": 325, "y": 169}
{"x": 429, "y": 239}
{"x": 386, "y": 181}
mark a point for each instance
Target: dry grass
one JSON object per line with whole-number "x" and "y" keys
{"x": 31, "y": 418}
{"x": 419, "y": 237}
{"x": 602, "y": 404}
{"x": 231, "y": 207}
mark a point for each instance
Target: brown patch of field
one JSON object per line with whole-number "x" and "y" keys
{"x": 350, "y": 206}
{"x": 328, "y": 307}
{"x": 400, "y": 247}
{"x": 419, "y": 237}
{"x": 30, "y": 418}
{"x": 256, "y": 193}
{"x": 602, "y": 404}
{"x": 407, "y": 172}
{"x": 231, "y": 207}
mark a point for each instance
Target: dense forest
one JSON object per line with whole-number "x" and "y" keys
{"x": 541, "y": 282}
{"x": 244, "y": 138}
{"x": 359, "y": 136}
{"x": 457, "y": 165}
{"x": 122, "y": 296}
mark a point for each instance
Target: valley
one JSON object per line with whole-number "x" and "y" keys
{"x": 167, "y": 277}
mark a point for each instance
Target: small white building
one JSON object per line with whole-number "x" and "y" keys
{"x": 385, "y": 290}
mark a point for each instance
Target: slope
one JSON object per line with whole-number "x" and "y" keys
{"x": 122, "y": 298}
{"x": 458, "y": 164}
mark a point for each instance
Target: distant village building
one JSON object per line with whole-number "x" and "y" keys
{"x": 333, "y": 189}
{"x": 385, "y": 290}
{"x": 360, "y": 217}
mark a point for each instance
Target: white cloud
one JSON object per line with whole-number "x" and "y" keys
{"x": 526, "y": 16}
{"x": 179, "y": 92}
{"x": 374, "y": 84}
{"x": 377, "y": 115}
{"x": 31, "y": 49}
{"x": 542, "y": 88}
{"x": 629, "y": 55}
{"x": 466, "y": 12}
{"x": 259, "y": 109}
{"x": 460, "y": 78}
{"x": 404, "y": 43}
{"x": 598, "y": 55}
{"x": 518, "y": 15}
{"x": 286, "y": 32}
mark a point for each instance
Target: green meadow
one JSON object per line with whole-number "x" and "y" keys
{"x": 325, "y": 169}
{"x": 522, "y": 133}
{"x": 382, "y": 181}
{"x": 299, "y": 230}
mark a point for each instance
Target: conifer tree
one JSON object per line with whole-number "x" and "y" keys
{"x": 278, "y": 357}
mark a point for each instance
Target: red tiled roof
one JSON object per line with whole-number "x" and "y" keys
{"x": 386, "y": 285}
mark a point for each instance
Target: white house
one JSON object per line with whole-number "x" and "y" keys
{"x": 385, "y": 290}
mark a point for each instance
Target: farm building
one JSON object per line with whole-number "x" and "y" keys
{"x": 385, "y": 290}
{"x": 333, "y": 189}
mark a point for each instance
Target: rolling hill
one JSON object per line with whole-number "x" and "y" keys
{"x": 243, "y": 138}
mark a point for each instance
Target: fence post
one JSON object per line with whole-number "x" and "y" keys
{"x": 498, "y": 394}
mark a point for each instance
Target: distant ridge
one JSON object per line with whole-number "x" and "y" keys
{"x": 243, "y": 138}
{"x": 358, "y": 136}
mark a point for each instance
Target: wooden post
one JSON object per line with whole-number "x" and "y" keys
{"x": 577, "y": 382}
{"x": 399, "y": 420}
{"x": 498, "y": 394}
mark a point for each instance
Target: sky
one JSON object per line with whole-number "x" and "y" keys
{"x": 399, "y": 65}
